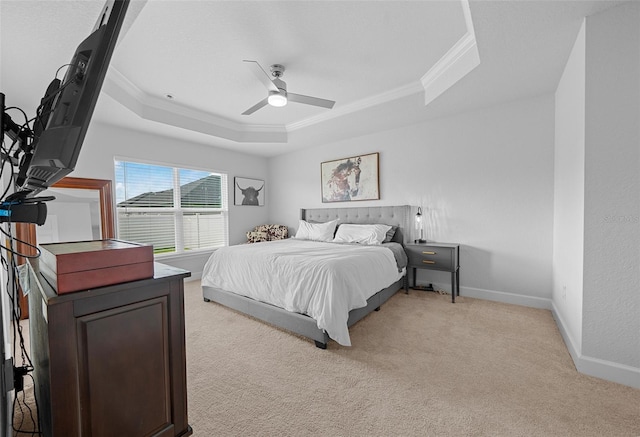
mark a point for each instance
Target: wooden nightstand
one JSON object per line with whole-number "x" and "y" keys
{"x": 436, "y": 256}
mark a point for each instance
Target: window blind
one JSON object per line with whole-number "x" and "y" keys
{"x": 174, "y": 209}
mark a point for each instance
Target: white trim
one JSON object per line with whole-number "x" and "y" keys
{"x": 564, "y": 332}
{"x": 461, "y": 59}
{"x": 603, "y": 369}
{"x": 615, "y": 372}
{"x": 157, "y": 109}
{"x": 154, "y": 108}
{"x": 180, "y": 259}
{"x": 123, "y": 158}
{"x": 194, "y": 277}
{"x": 359, "y": 105}
{"x": 194, "y": 253}
{"x": 504, "y": 297}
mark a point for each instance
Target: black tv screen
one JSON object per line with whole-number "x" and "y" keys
{"x": 66, "y": 109}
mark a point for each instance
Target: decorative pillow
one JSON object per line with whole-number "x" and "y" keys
{"x": 390, "y": 234}
{"x": 256, "y": 237}
{"x": 363, "y": 234}
{"x": 274, "y": 232}
{"x": 316, "y": 231}
{"x": 267, "y": 233}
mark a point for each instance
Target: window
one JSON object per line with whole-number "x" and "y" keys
{"x": 174, "y": 209}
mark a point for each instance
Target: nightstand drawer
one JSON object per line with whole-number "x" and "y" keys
{"x": 432, "y": 257}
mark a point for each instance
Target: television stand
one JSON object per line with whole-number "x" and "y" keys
{"x": 110, "y": 361}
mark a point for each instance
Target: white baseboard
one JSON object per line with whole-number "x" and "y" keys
{"x": 615, "y": 372}
{"x": 194, "y": 277}
{"x": 572, "y": 347}
{"x": 191, "y": 261}
{"x": 603, "y": 369}
{"x": 500, "y": 296}
{"x": 608, "y": 370}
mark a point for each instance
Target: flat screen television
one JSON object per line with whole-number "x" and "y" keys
{"x": 65, "y": 111}
{"x": 49, "y": 150}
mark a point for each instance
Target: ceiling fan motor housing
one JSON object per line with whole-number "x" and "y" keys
{"x": 277, "y": 70}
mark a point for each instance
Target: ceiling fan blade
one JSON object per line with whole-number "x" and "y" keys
{"x": 255, "y": 107}
{"x": 262, "y": 75}
{"x": 315, "y": 101}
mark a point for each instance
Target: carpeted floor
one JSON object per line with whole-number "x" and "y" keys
{"x": 419, "y": 367}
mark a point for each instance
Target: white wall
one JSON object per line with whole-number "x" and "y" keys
{"x": 104, "y": 142}
{"x": 568, "y": 225}
{"x": 484, "y": 180}
{"x": 597, "y": 201}
{"x": 611, "y": 315}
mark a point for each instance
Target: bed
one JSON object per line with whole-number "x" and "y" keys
{"x": 223, "y": 280}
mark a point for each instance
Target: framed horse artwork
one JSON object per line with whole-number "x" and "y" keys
{"x": 351, "y": 179}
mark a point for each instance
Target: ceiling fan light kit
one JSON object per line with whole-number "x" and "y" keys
{"x": 278, "y": 95}
{"x": 277, "y": 98}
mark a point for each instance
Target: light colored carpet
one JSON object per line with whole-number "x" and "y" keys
{"x": 419, "y": 367}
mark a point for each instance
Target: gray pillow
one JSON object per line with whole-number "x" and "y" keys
{"x": 390, "y": 234}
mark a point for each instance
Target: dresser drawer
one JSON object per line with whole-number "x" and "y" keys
{"x": 431, "y": 257}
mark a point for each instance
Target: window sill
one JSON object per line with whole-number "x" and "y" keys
{"x": 160, "y": 257}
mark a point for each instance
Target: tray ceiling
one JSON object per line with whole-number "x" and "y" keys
{"x": 385, "y": 63}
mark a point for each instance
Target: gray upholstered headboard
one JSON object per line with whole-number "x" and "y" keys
{"x": 389, "y": 215}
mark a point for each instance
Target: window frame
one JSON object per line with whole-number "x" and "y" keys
{"x": 176, "y": 210}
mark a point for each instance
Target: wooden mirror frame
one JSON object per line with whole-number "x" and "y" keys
{"x": 26, "y": 232}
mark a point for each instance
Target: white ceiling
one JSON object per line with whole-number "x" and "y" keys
{"x": 381, "y": 61}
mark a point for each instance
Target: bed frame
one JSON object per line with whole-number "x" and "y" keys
{"x": 300, "y": 323}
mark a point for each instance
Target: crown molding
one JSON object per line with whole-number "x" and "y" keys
{"x": 160, "y": 110}
{"x": 359, "y": 105}
{"x": 460, "y": 60}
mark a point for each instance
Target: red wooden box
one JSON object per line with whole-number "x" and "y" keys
{"x": 82, "y": 265}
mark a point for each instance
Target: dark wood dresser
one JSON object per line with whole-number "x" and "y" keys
{"x": 110, "y": 361}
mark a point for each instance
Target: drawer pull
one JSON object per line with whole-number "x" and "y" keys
{"x": 428, "y": 253}
{"x": 426, "y": 261}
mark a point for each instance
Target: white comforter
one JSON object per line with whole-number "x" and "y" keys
{"x": 322, "y": 280}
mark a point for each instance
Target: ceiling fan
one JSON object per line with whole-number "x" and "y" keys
{"x": 278, "y": 95}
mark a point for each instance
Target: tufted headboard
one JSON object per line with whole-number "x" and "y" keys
{"x": 389, "y": 215}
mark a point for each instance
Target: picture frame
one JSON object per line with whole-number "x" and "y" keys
{"x": 351, "y": 179}
{"x": 248, "y": 192}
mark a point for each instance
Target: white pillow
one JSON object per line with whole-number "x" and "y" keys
{"x": 363, "y": 234}
{"x": 316, "y": 231}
